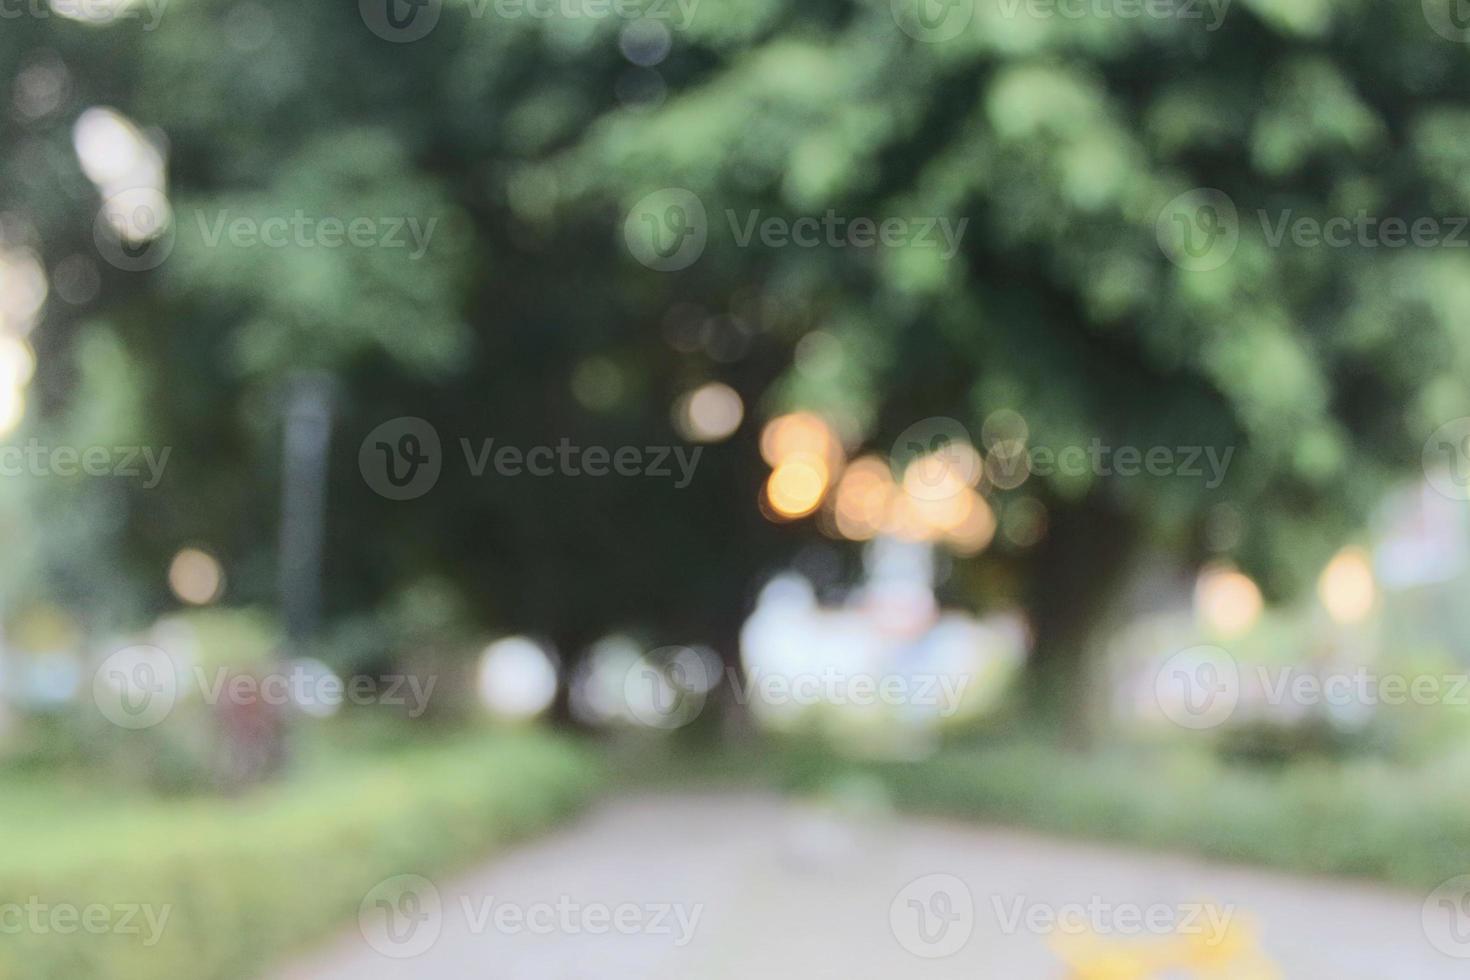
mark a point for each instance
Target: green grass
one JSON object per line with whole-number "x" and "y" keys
{"x": 251, "y": 879}
{"x": 1363, "y": 818}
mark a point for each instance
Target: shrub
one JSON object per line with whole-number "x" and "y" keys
{"x": 249, "y": 880}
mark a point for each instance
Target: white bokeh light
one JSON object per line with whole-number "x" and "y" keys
{"x": 517, "y": 678}
{"x": 709, "y": 413}
{"x": 23, "y": 289}
{"x": 315, "y": 677}
{"x": 114, "y": 153}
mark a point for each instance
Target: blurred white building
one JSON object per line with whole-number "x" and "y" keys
{"x": 888, "y": 662}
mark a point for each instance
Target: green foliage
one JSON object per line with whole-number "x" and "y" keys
{"x": 1367, "y": 818}
{"x": 1062, "y": 139}
{"x": 250, "y": 880}
{"x": 1363, "y": 818}
{"x": 240, "y": 639}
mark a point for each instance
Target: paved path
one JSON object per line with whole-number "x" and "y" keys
{"x": 783, "y": 891}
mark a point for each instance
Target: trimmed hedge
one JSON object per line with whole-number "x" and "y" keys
{"x": 249, "y": 881}
{"x": 1363, "y": 818}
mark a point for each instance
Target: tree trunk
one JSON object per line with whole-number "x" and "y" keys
{"x": 1080, "y": 573}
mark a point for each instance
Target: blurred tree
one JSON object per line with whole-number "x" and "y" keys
{"x": 480, "y": 335}
{"x": 1066, "y": 141}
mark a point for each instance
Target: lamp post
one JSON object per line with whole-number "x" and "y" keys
{"x": 303, "y": 506}
{"x": 257, "y": 737}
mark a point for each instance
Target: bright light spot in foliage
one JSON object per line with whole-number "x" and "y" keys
{"x": 1346, "y": 586}
{"x": 114, "y": 153}
{"x": 797, "y": 486}
{"x": 935, "y": 501}
{"x": 945, "y": 473}
{"x": 800, "y": 433}
{"x": 863, "y": 498}
{"x": 597, "y": 685}
{"x": 23, "y": 289}
{"x": 667, "y": 688}
{"x": 196, "y": 577}
{"x": 95, "y": 12}
{"x": 517, "y": 678}
{"x": 805, "y": 455}
{"x": 975, "y": 530}
{"x": 137, "y": 215}
{"x": 12, "y": 407}
{"x": 1227, "y": 600}
{"x": 17, "y": 362}
{"x": 709, "y": 413}
{"x": 129, "y": 172}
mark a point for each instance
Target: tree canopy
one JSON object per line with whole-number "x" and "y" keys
{"x": 1081, "y": 151}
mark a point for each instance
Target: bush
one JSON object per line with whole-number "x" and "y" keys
{"x": 1363, "y": 818}
{"x": 250, "y": 880}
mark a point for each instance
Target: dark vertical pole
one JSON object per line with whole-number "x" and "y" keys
{"x": 303, "y": 507}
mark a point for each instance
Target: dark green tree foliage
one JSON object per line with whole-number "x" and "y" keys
{"x": 1061, "y": 139}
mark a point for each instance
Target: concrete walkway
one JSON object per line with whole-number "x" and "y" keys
{"x": 705, "y": 887}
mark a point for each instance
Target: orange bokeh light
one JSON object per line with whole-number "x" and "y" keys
{"x": 797, "y": 485}
{"x": 800, "y": 433}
